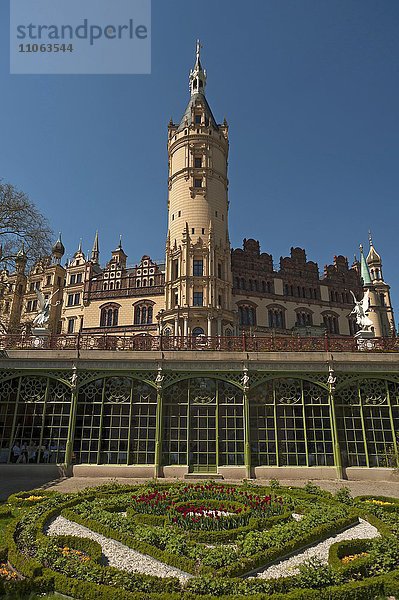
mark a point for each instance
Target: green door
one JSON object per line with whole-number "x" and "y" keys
{"x": 203, "y": 435}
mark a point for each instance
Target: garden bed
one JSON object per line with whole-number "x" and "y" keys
{"x": 168, "y": 542}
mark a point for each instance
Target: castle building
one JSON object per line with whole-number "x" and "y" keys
{"x": 241, "y": 411}
{"x": 204, "y": 287}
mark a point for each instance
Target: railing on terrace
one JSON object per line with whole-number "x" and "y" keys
{"x": 131, "y": 342}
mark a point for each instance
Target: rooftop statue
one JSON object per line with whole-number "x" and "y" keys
{"x": 361, "y": 309}
{"x": 43, "y": 316}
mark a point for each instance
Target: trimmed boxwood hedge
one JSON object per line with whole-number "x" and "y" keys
{"x": 144, "y": 519}
{"x": 350, "y": 547}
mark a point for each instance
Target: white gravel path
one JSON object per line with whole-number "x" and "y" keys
{"x": 117, "y": 555}
{"x": 289, "y": 566}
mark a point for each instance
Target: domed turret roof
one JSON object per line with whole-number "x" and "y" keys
{"x": 373, "y": 256}
{"x": 58, "y": 249}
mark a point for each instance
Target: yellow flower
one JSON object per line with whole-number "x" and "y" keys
{"x": 351, "y": 557}
{"x": 7, "y": 573}
{"x": 379, "y": 502}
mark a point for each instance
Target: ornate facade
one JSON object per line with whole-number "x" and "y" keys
{"x": 249, "y": 409}
{"x": 203, "y": 287}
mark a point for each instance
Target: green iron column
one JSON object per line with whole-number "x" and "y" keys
{"x": 72, "y": 419}
{"x": 158, "y": 431}
{"x": 333, "y": 417}
{"x": 247, "y": 442}
{"x": 394, "y": 432}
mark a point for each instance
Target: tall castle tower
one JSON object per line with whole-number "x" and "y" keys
{"x": 198, "y": 286}
{"x": 382, "y": 300}
{"x": 380, "y": 307}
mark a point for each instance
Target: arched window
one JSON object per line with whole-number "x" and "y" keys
{"x": 276, "y": 317}
{"x": 143, "y": 313}
{"x": 109, "y": 315}
{"x": 304, "y": 318}
{"x": 247, "y": 315}
{"x": 331, "y": 322}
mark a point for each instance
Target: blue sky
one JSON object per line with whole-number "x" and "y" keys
{"x": 311, "y": 93}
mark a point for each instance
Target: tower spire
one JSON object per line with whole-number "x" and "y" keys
{"x": 364, "y": 270}
{"x": 95, "y": 253}
{"x": 197, "y": 74}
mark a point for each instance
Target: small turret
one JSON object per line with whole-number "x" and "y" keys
{"x": 21, "y": 259}
{"x": 374, "y": 262}
{"x": 119, "y": 256}
{"x": 58, "y": 250}
{"x": 95, "y": 253}
{"x": 79, "y": 251}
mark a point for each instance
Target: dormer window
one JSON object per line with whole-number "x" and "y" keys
{"x": 198, "y": 119}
